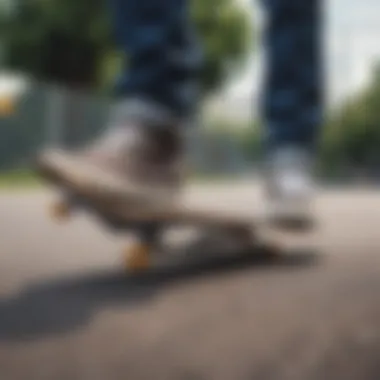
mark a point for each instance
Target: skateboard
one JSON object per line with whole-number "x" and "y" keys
{"x": 146, "y": 224}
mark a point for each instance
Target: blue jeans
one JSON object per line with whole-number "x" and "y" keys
{"x": 164, "y": 58}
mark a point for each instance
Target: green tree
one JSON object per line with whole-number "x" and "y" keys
{"x": 226, "y": 34}
{"x": 70, "y": 41}
{"x": 352, "y": 134}
{"x": 61, "y": 41}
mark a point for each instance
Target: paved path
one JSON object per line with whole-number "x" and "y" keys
{"x": 67, "y": 312}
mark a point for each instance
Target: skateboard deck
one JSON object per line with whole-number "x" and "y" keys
{"x": 146, "y": 223}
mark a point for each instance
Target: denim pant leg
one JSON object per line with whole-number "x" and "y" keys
{"x": 162, "y": 57}
{"x": 292, "y": 109}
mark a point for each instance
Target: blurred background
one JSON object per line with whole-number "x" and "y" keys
{"x": 58, "y": 64}
{"x": 67, "y": 310}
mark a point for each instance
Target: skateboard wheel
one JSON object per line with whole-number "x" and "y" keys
{"x": 60, "y": 211}
{"x": 138, "y": 258}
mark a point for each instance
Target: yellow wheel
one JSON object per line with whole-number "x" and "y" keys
{"x": 138, "y": 258}
{"x": 7, "y": 105}
{"x": 60, "y": 211}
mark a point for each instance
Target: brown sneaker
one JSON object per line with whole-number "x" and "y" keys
{"x": 130, "y": 162}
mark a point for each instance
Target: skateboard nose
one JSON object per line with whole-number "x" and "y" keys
{"x": 47, "y": 162}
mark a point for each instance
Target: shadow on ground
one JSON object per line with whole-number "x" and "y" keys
{"x": 60, "y": 306}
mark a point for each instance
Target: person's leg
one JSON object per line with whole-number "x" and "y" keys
{"x": 162, "y": 57}
{"x": 293, "y": 89}
{"x": 155, "y": 94}
{"x": 292, "y": 107}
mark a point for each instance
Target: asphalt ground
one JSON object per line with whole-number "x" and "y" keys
{"x": 69, "y": 311}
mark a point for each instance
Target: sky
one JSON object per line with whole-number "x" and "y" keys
{"x": 352, "y": 45}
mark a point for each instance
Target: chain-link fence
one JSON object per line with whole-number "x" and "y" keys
{"x": 45, "y": 115}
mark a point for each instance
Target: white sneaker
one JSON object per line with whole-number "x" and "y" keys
{"x": 131, "y": 162}
{"x": 289, "y": 189}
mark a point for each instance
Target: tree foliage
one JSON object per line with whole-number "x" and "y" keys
{"x": 59, "y": 41}
{"x": 351, "y": 138}
{"x": 352, "y": 134}
{"x": 227, "y": 38}
{"x": 70, "y": 41}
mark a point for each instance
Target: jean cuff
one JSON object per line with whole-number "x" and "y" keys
{"x": 142, "y": 111}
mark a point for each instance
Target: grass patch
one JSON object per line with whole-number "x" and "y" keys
{"x": 26, "y": 179}
{"x": 19, "y": 179}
